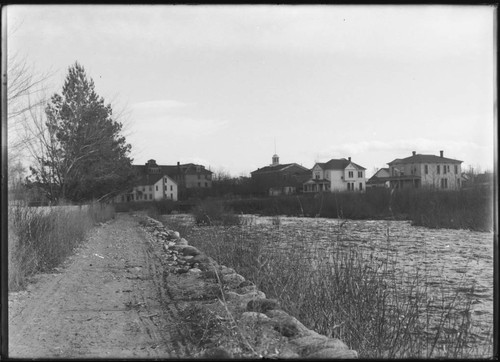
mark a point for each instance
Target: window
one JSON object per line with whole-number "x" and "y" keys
{"x": 351, "y": 174}
{"x": 172, "y": 196}
{"x": 143, "y": 188}
{"x": 438, "y": 169}
{"x": 444, "y": 169}
{"x": 456, "y": 169}
{"x": 348, "y": 186}
{"x": 317, "y": 175}
{"x": 360, "y": 186}
{"x": 206, "y": 184}
{"x": 151, "y": 196}
{"x": 458, "y": 182}
{"x": 426, "y": 169}
{"x": 171, "y": 187}
{"x": 444, "y": 183}
{"x": 360, "y": 174}
{"x": 448, "y": 168}
{"x": 156, "y": 187}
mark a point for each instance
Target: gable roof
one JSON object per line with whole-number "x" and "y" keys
{"x": 278, "y": 168}
{"x": 419, "y": 158}
{"x": 146, "y": 180}
{"x": 338, "y": 164}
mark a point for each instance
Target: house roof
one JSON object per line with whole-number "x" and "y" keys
{"x": 171, "y": 170}
{"x": 338, "y": 164}
{"x": 145, "y": 180}
{"x": 278, "y": 168}
{"x": 419, "y": 158}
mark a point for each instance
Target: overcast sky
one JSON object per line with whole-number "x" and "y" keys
{"x": 224, "y": 86}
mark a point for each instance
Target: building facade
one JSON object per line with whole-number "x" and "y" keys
{"x": 381, "y": 178}
{"x": 336, "y": 175}
{"x": 420, "y": 170}
{"x": 160, "y": 182}
{"x": 279, "y": 179}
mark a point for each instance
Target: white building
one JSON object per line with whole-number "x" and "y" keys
{"x": 151, "y": 187}
{"x": 336, "y": 175}
{"x": 420, "y": 170}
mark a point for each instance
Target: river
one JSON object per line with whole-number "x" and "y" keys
{"x": 447, "y": 261}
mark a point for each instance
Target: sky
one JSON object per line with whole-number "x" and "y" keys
{"x": 229, "y": 86}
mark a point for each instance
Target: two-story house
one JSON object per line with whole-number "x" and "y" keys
{"x": 336, "y": 175}
{"x": 156, "y": 182}
{"x": 420, "y": 170}
{"x": 155, "y": 187}
{"x": 279, "y": 179}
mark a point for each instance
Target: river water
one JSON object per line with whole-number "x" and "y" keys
{"x": 444, "y": 259}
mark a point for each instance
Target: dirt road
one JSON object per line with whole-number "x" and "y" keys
{"x": 105, "y": 301}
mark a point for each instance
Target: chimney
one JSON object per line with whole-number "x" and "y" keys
{"x": 441, "y": 153}
{"x": 349, "y": 158}
{"x": 178, "y": 163}
{"x": 414, "y": 153}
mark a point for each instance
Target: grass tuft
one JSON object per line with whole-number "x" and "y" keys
{"x": 42, "y": 238}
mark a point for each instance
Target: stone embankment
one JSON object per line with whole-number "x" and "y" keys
{"x": 263, "y": 329}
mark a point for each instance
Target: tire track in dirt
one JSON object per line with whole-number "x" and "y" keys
{"x": 108, "y": 301}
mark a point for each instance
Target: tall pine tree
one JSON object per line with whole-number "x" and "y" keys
{"x": 85, "y": 155}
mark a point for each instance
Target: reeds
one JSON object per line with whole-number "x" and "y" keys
{"x": 458, "y": 209}
{"x": 41, "y": 238}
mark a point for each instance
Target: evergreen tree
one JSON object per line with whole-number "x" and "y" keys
{"x": 85, "y": 157}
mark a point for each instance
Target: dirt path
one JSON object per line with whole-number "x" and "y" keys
{"x": 106, "y": 301}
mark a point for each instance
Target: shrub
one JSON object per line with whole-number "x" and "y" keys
{"x": 210, "y": 212}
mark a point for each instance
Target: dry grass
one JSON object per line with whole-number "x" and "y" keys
{"x": 40, "y": 239}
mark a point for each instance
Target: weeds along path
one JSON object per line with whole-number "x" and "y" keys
{"x": 106, "y": 301}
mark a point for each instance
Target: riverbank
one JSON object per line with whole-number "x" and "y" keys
{"x": 386, "y": 288}
{"x": 470, "y": 209}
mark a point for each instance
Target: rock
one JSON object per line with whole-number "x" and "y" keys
{"x": 181, "y": 242}
{"x": 201, "y": 258}
{"x": 243, "y": 299}
{"x": 314, "y": 342}
{"x": 232, "y": 280}
{"x": 287, "y": 325}
{"x": 216, "y": 353}
{"x": 195, "y": 271}
{"x": 246, "y": 283}
{"x": 253, "y": 317}
{"x": 288, "y": 354}
{"x": 333, "y": 353}
{"x": 188, "y": 258}
{"x": 190, "y": 250}
{"x": 226, "y": 270}
{"x": 247, "y": 289}
{"x": 262, "y": 305}
{"x": 176, "y": 235}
